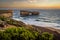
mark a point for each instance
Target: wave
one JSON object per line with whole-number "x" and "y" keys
{"x": 38, "y": 23}
{"x": 46, "y": 18}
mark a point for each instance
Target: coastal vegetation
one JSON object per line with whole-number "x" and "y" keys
{"x": 11, "y": 21}
{"x": 22, "y": 31}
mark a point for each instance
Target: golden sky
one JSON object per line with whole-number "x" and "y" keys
{"x": 29, "y": 3}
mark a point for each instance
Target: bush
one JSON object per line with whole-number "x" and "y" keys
{"x": 18, "y": 34}
{"x": 21, "y": 33}
{"x": 47, "y": 36}
{"x": 4, "y": 36}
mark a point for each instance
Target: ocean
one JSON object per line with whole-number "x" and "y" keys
{"x": 46, "y": 18}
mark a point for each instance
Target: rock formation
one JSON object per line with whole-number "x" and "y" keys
{"x": 28, "y": 13}
{"x": 24, "y": 13}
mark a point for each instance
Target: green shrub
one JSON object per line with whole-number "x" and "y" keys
{"x": 47, "y": 36}
{"x": 21, "y": 33}
{"x": 4, "y": 36}
{"x": 18, "y": 34}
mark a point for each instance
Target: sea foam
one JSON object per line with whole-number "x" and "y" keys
{"x": 37, "y": 23}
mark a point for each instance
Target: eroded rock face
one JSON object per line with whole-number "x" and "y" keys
{"x": 6, "y": 13}
{"x": 28, "y": 13}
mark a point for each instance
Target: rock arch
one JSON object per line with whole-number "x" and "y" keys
{"x": 28, "y": 13}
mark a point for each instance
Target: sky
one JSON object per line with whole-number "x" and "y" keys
{"x": 29, "y": 3}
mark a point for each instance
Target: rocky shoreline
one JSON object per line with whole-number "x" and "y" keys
{"x": 55, "y": 32}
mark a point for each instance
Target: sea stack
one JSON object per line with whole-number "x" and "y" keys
{"x": 6, "y": 13}
{"x": 35, "y": 13}
{"x": 28, "y": 13}
{"x": 24, "y": 13}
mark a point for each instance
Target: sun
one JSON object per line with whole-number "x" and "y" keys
{"x": 32, "y": 1}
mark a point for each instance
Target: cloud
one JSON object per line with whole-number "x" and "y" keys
{"x": 20, "y": 0}
{"x": 31, "y": 1}
{"x": 12, "y": 0}
{"x": 28, "y": 3}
